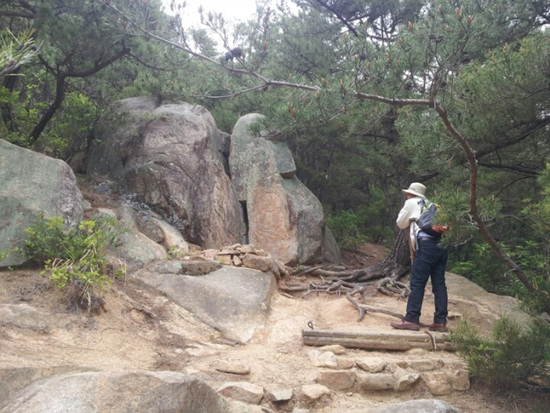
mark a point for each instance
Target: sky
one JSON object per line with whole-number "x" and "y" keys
{"x": 231, "y": 9}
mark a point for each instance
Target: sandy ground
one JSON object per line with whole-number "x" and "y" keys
{"x": 142, "y": 330}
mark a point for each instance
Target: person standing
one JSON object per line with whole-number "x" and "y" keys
{"x": 429, "y": 262}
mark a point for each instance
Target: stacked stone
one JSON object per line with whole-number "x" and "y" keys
{"x": 247, "y": 256}
{"x": 342, "y": 372}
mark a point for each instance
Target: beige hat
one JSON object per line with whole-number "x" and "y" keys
{"x": 417, "y": 189}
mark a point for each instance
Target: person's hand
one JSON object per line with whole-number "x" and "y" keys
{"x": 441, "y": 229}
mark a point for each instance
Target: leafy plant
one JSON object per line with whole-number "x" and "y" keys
{"x": 511, "y": 355}
{"x": 479, "y": 265}
{"x": 16, "y": 50}
{"x": 76, "y": 257}
{"x": 532, "y": 251}
{"x": 346, "y": 229}
{"x": 525, "y": 240}
{"x": 175, "y": 253}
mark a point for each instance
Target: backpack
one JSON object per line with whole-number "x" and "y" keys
{"x": 427, "y": 220}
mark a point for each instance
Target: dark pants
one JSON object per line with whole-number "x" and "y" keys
{"x": 430, "y": 261}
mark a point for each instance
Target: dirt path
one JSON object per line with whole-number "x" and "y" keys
{"x": 141, "y": 330}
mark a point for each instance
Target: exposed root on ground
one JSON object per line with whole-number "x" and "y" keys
{"x": 341, "y": 281}
{"x": 364, "y": 308}
{"x": 388, "y": 286}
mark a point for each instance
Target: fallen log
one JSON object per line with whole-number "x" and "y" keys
{"x": 378, "y": 341}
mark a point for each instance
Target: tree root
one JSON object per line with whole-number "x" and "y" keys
{"x": 388, "y": 286}
{"x": 364, "y": 308}
{"x": 386, "y": 268}
{"x": 337, "y": 287}
{"x": 338, "y": 281}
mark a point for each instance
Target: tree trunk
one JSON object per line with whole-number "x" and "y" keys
{"x": 60, "y": 79}
{"x": 398, "y": 263}
{"x": 59, "y": 97}
{"x": 395, "y": 266}
{"x": 401, "y": 252}
{"x": 377, "y": 341}
{"x": 6, "y": 108}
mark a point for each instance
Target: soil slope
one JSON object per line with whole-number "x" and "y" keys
{"x": 142, "y": 330}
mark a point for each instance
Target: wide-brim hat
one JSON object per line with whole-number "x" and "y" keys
{"x": 417, "y": 189}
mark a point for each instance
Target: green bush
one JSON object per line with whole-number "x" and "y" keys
{"x": 479, "y": 264}
{"x": 510, "y": 356}
{"x": 346, "y": 229}
{"x": 75, "y": 258}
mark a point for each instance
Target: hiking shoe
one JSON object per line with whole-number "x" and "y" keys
{"x": 441, "y": 327}
{"x": 405, "y": 325}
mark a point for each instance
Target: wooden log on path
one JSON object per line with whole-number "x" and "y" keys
{"x": 378, "y": 341}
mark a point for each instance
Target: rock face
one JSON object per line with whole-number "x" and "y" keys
{"x": 217, "y": 191}
{"x": 417, "y": 406}
{"x": 170, "y": 158}
{"x": 284, "y": 216}
{"x": 31, "y": 183}
{"x": 116, "y": 392}
{"x": 233, "y": 300}
{"x": 136, "y": 249}
{"x": 490, "y": 306}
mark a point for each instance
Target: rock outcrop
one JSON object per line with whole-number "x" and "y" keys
{"x": 32, "y": 184}
{"x": 92, "y": 392}
{"x": 217, "y": 190}
{"x": 233, "y": 300}
{"x": 416, "y": 406}
{"x": 169, "y": 158}
{"x": 284, "y": 217}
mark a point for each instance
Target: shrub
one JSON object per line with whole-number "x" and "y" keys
{"x": 479, "y": 264}
{"x": 346, "y": 229}
{"x": 75, "y": 258}
{"x": 510, "y": 356}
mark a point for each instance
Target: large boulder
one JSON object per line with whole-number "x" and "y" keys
{"x": 123, "y": 391}
{"x": 235, "y": 301}
{"x": 170, "y": 158}
{"x": 284, "y": 216}
{"x": 136, "y": 249}
{"x": 485, "y": 307}
{"x": 415, "y": 406}
{"x": 31, "y": 184}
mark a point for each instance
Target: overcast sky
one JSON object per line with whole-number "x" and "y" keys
{"x": 231, "y": 9}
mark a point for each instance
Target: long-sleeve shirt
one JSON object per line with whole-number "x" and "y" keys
{"x": 409, "y": 213}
